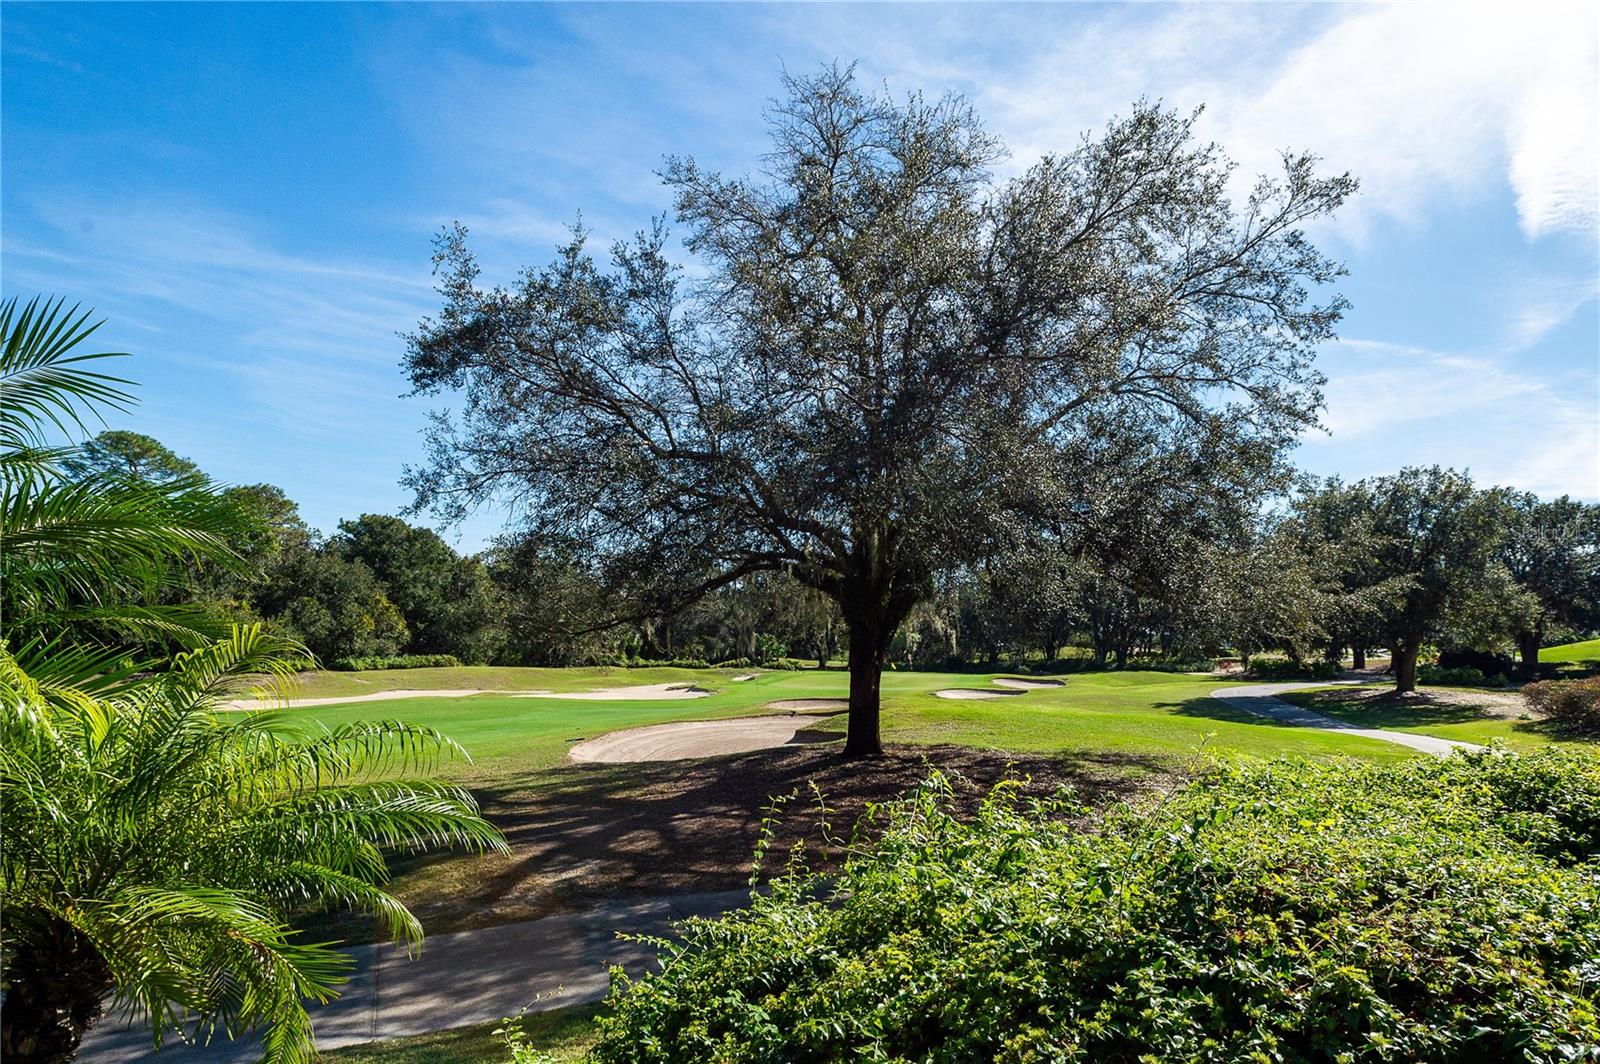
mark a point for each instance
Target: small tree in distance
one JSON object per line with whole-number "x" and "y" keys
{"x": 887, "y": 356}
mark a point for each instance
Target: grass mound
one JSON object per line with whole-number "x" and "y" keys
{"x": 1293, "y": 911}
{"x": 1587, "y": 651}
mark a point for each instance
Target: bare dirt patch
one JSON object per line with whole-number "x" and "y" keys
{"x": 580, "y": 834}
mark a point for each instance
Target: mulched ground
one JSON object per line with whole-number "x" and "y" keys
{"x": 582, "y": 834}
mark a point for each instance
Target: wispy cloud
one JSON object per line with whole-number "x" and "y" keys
{"x": 1429, "y": 105}
{"x": 1391, "y": 405}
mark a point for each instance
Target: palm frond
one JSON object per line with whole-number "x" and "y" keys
{"x": 42, "y": 382}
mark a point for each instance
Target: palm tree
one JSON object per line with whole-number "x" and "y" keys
{"x": 88, "y": 557}
{"x": 157, "y": 849}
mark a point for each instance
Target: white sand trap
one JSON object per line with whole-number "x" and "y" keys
{"x": 333, "y": 700}
{"x": 1025, "y": 685}
{"x": 746, "y": 676}
{"x": 974, "y": 694}
{"x": 653, "y": 692}
{"x": 801, "y": 705}
{"x": 694, "y": 738}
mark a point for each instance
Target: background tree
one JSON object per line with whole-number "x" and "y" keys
{"x": 448, "y": 602}
{"x": 333, "y": 604}
{"x": 1552, "y": 551}
{"x": 887, "y": 352}
{"x": 1438, "y": 536}
{"x": 118, "y": 452}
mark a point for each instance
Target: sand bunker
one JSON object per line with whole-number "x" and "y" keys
{"x": 653, "y": 692}
{"x": 746, "y": 676}
{"x": 696, "y": 738}
{"x": 974, "y": 694}
{"x": 333, "y": 700}
{"x": 1025, "y": 685}
{"x": 802, "y": 705}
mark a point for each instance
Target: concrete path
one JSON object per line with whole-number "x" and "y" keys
{"x": 1259, "y": 699}
{"x": 460, "y": 979}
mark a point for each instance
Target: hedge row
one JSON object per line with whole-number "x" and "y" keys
{"x": 1440, "y": 910}
{"x": 402, "y": 661}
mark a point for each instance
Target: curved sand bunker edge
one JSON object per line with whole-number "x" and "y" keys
{"x": 975, "y": 694}
{"x": 1026, "y": 683}
{"x": 649, "y": 692}
{"x": 811, "y": 705}
{"x": 685, "y": 740}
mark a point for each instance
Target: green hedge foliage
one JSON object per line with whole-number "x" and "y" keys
{"x": 1284, "y": 669}
{"x": 1431, "y": 910}
{"x": 401, "y": 661}
{"x": 1457, "y": 677}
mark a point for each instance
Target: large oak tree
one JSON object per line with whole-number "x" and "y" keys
{"x": 881, "y": 354}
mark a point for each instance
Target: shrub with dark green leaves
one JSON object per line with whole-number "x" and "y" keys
{"x": 1571, "y": 705}
{"x": 1423, "y": 911}
{"x": 1284, "y": 669}
{"x": 1462, "y": 676}
{"x": 399, "y": 661}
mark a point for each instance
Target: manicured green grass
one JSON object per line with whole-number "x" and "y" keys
{"x": 1588, "y": 650}
{"x": 1149, "y": 713}
{"x": 1462, "y": 722}
{"x": 561, "y": 1034}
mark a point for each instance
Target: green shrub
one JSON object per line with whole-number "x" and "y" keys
{"x": 1284, "y": 669}
{"x": 733, "y": 663}
{"x": 1571, "y": 705}
{"x": 1429, "y": 910}
{"x": 401, "y": 661}
{"x": 1173, "y": 664}
{"x": 1455, "y": 677}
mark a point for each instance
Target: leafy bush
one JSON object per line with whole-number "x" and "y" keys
{"x": 1284, "y": 669}
{"x": 1572, "y": 705}
{"x": 1487, "y": 662}
{"x": 1172, "y": 664}
{"x": 1458, "y": 677}
{"x": 400, "y": 661}
{"x": 1428, "y": 910}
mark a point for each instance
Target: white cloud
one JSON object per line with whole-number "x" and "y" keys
{"x": 1392, "y": 405}
{"x": 1428, "y": 104}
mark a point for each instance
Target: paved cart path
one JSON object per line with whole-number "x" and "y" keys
{"x": 1259, "y": 698}
{"x": 460, "y": 979}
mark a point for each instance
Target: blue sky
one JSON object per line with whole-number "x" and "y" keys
{"x": 249, "y": 192}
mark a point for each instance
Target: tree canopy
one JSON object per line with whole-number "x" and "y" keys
{"x": 883, "y": 355}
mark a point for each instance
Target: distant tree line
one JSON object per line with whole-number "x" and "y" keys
{"x": 1422, "y": 560}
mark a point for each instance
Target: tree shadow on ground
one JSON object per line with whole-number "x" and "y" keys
{"x": 583, "y": 833}
{"x": 1214, "y": 709}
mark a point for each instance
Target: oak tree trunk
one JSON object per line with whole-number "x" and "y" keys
{"x": 1405, "y": 669}
{"x": 1528, "y": 648}
{"x": 869, "y": 643}
{"x": 1358, "y": 657}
